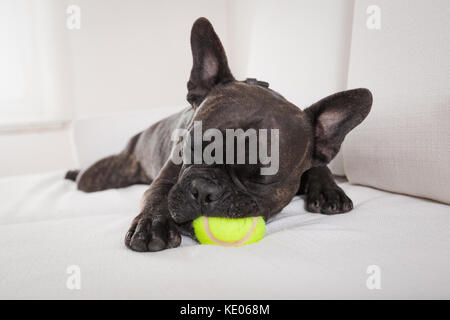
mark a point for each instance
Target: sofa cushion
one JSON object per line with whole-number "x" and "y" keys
{"x": 302, "y": 256}
{"x": 404, "y": 144}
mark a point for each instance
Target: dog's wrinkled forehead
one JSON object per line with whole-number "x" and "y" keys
{"x": 244, "y": 104}
{"x": 240, "y": 105}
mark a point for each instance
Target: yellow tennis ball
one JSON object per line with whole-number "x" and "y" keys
{"x": 229, "y": 232}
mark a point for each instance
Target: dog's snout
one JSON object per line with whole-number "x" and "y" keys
{"x": 204, "y": 191}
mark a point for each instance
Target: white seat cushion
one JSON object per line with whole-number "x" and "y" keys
{"x": 46, "y": 225}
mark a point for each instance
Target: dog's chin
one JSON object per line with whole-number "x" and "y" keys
{"x": 179, "y": 219}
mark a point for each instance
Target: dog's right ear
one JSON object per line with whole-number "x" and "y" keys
{"x": 335, "y": 116}
{"x": 210, "y": 65}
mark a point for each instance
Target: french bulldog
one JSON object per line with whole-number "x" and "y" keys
{"x": 179, "y": 192}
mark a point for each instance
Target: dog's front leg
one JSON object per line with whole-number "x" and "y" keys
{"x": 322, "y": 193}
{"x": 153, "y": 229}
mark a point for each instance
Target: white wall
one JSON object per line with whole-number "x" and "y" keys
{"x": 43, "y": 147}
{"x": 301, "y": 48}
{"x": 135, "y": 54}
{"x": 127, "y": 55}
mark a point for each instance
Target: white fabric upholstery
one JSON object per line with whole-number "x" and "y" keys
{"x": 112, "y": 132}
{"x": 404, "y": 144}
{"x": 337, "y": 165}
{"x": 46, "y": 225}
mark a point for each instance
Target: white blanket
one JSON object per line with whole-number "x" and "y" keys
{"x": 46, "y": 226}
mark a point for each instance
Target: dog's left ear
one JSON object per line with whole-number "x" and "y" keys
{"x": 333, "y": 117}
{"x": 210, "y": 65}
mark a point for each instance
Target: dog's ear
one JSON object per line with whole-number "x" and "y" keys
{"x": 210, "y": 65}
{"x": 333, "y": 117}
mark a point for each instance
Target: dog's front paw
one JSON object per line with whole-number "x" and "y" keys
{"x": 152, "y": 233}
{"x": 328, "y": 200}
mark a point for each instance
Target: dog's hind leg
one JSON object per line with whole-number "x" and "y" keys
{"x": 117, "y": 171}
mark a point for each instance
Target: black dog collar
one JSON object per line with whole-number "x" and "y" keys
{"x": 256, "y": 82}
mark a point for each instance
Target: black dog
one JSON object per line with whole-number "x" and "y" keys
{"x": 178, "y": 193}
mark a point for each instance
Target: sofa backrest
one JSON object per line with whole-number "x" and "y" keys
{"x": 104, "y": 135}
{"x": 404, "y": 144}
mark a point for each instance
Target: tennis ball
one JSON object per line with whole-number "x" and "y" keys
{"x": 229, "y": 232}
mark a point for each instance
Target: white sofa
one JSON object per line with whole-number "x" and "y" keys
{"x": 389, "y": 246}
{"x": 47, "y": 226}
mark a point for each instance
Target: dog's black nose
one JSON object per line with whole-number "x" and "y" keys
{"x": 204, "y": 191}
